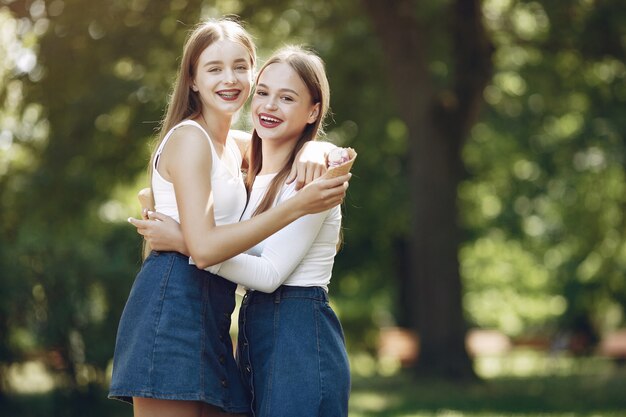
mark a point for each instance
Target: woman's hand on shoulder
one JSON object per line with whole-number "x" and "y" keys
{"x": 310, "y": 163}
{"x": 322, "y": 194}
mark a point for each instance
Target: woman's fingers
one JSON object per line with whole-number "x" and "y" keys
{"x": 319, "y": 171}
{"x": 301, "y": 175}
{"x": 292, "y": 175}
{"x": 333, "y": 191}
{"x": 305, "y": 173}
{"x": 310, "y": 173}
{"x": 336, "y": 182}
{"x": 155, "y": 215}
{"x": 137, "y": 222}
{"x": 141, "y": 225}
{"x": 337, "y": 194}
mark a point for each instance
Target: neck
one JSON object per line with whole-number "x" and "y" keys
{"x": 275, "y": 155}
{"x": 217, "y": 126}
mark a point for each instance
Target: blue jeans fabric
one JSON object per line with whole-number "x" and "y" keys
{"x": 291, "y": 352}
{"x": 173, "y": 338}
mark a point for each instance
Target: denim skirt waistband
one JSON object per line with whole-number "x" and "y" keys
{"x": 285, "y": 292}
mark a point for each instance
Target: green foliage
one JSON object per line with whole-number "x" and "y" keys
{"x": 376, "y": 210}
{"x": 546, "y": 195}
{"x": 81, "y": 118}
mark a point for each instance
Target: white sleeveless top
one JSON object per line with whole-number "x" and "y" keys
{"x": 229, "y": 191}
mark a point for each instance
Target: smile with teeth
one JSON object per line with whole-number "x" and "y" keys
{"x": 229, "y": 94}
{"x": 269, "y": 121}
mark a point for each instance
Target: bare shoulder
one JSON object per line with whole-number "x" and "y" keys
{"x": 188, "y": 133}
{"x": 189, "y": 144}
{"x": 188, "y": 139}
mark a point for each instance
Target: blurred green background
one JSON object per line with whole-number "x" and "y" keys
{"x": 486, "y": 211}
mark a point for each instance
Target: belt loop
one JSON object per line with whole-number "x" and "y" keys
{"x": 277, "y": 295}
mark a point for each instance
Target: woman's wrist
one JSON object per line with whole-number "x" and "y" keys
{"x": 294, "y": 208}
{"x": 182, "y": 248}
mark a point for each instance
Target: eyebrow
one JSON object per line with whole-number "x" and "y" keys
{"x": 289, "y": 90}
{"x": 237, "y": 61}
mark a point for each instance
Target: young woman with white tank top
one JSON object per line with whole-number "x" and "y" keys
{"x": 291, "y": 349}
{"x": 173, "y": 354}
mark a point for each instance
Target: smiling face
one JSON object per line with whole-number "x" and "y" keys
{"x": 282, "y": 105}
{"x": 223, "y": 77}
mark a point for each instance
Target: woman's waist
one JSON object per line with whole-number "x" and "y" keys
{"x": 317, "y": 293}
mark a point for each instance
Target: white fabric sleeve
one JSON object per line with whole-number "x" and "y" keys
{"x": 282, "y": 253}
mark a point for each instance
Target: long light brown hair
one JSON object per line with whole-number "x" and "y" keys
{"x": 184, "y": 103}
{"x": 310, "y": 68}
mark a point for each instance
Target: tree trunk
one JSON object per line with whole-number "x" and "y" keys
{"x": 437, "y": 129}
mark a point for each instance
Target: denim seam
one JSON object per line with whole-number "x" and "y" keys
{"x": 188, "y": 396}
{"x": 164, "y": 281}
{"x": 243, "y": 314}
{"x": 273, "y": 359}
{"x": 203, "y": 334}
{"x": 223, "y": 328}
{"x": 250, "y": 378}
{"x": 316, "y": 313}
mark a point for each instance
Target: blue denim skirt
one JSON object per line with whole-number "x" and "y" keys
{"x": 291, "y": 353}
{"x": 173, "y": 339}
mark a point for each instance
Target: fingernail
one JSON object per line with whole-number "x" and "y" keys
{"x": 129, "y": 220}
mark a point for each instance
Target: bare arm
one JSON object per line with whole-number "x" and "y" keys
{"x": 209, "y": 244}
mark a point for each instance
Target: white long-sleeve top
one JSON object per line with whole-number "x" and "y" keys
{"x": 301, "y": 254}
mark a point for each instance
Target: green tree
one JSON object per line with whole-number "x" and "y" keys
{"x": 90, "y": 104}
{"x": 439, "y": 110}
{"x": 547, "y": 192}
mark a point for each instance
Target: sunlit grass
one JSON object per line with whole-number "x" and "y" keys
{"x": 533, "y": 363}
{"x": 523, "y": 383}
{"x": 400, "y": 396}
{"x": 29, "y": 377}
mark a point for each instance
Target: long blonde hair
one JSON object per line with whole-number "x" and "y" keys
{"x": 310, "y": 68}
